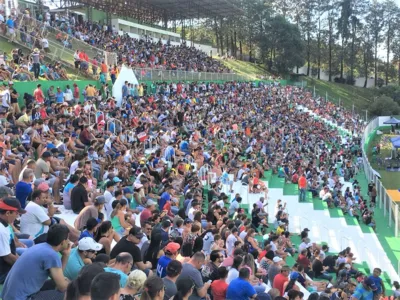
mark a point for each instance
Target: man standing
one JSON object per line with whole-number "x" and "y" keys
{"x": 35, "y": 55}
{"x": 10, "y": 208}
{"x": 191, "y": 270}
{"x": 31, "y": 270}
{"x": 210, "y": 270}
{"x": 230, "y": 241}
{"x": 380, "y": 288}
{"x": 364, "y": 291}
{"x": 302, "y": 188}
{"x": 274, "y": 269}
{"x": 6, "y": 97}
{"x": 14, "y": 97}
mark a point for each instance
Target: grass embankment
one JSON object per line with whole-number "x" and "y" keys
{"x": 347, "y": 94}
{"x": 250, "y": 70}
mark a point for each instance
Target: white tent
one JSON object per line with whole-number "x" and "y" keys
{"x": 125, "y": 74}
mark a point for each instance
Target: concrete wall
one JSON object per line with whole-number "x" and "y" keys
{"x": 325, "y": 76}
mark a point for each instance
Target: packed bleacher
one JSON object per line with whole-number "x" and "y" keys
{"x": 145, "y": 52}
{"x": 136, "y": 202}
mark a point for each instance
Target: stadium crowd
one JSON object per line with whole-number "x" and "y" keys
{"x": 145, "y": 52}
{"x": 91, "y": 160}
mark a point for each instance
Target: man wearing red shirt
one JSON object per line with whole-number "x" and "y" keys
{"x": 76, "y": 93}
{"x": 303, "y": 260}
{"x": 38, "y": 94}
{"x": 147, "y": 212}
{"x": 302, "y": 188}
{"x": 280, "y": 279}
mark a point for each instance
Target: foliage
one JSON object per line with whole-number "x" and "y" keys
{"x": 384, "y": 106}
{"x": 340, "y": 37}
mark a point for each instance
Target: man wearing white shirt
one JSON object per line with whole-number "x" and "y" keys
{"x": 305, "y": 244}
{"x": 230, "y": 241}
{"x": 195, "y": 207}
{"x": 36, "y": 221}
{"x": 6, "y": 98}
{"x": 108, "y": 196}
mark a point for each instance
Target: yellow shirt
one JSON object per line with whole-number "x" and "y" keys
{"x": 279, "y": 230}
{"x": 140, "y": 91}
{"x": 23, "y": 118}
{"x": 90, "y": 91}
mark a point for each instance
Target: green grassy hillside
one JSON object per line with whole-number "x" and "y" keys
{"x": 348, "y": 95}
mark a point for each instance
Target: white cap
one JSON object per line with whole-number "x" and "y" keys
{"x": 88, "y": 243}
{"x": 276, "y": 259}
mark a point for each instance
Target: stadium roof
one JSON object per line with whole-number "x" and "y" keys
{"x": 195, "y": 9}
{"x": 153, "y": 11}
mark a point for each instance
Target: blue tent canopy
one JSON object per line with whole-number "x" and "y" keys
{"x": 395, "y": 141}
{"x": 392, "y": 120}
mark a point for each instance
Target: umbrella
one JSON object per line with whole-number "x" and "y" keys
{"x": 392, "y": 120}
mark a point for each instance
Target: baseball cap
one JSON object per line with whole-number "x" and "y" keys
{"x": 73, "y": 134}
{"x": 306, "y": 229}
{"x": 277, "y": 259}
{"x": 172, "y": 248}
{"x": 116, "y": 179}
{"x": 88, "y": 243}
{"x": 136, "y": 232}
{"x": 370, "y": 283}
{"x": 11, "y": 204}
{"x": 46, "y": 154}
{"x": 294, "y": 276}
{"x": 5, "y": 191}
{"x": 43, "y": 186}
{"x": 100, "y": 199}
{"x": 150, "y": 202}
{"x": 127, "y": 191}
{"x": 187, "y": 221}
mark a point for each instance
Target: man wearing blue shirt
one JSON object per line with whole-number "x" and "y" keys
{"x": 166, "y": 196}
{"x": 81, "y": 256}
{"x": 171, "y": 251}
{"x": 122, "y": 267}
{"x": 59, "y": 96}
{"x": 365, "y": 290}
{"x": 32, "y": 269}
{"x": 380, "y": 288}
{"x": 125, "y": 90}
{"x": 240, "y": 288}
{"x": 24, "y": 187}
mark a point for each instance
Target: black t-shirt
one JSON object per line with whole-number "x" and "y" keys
{"x": 79, "y": 196}
{"x": 14, "y": 97}
{"x": 329, "y": 261}
{"x": 126, "y": 246}
{"x": 4, "y": 266}
{"x": 317, "y": 267}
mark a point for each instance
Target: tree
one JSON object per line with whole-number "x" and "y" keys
{"x": 384, "y": 106}
{"x": 367, "y": 53}
{"x": 287, "y": 45}
{"x": 343, "y": 29}
{"x": 391, "y": 14}
{"x": 376, "y": 22}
